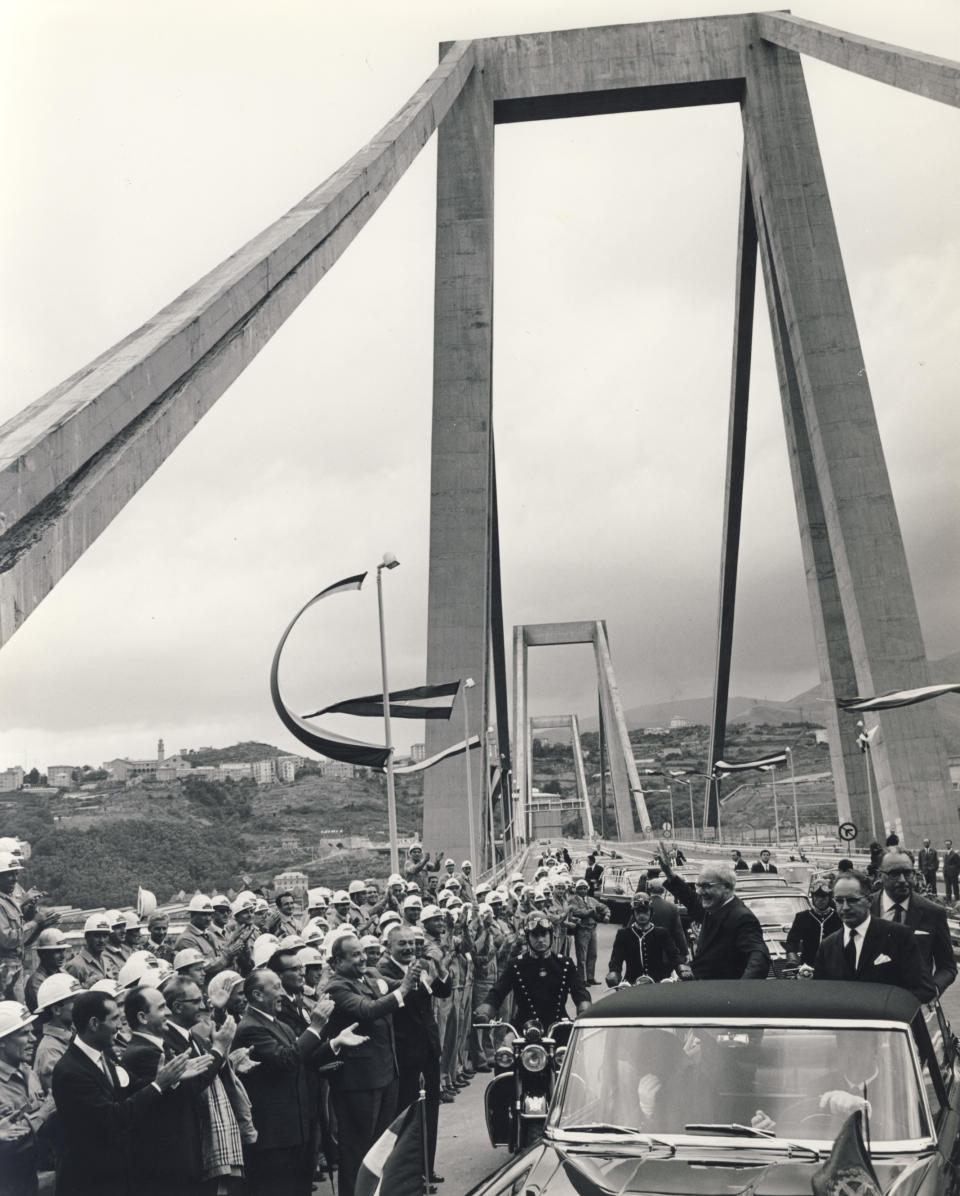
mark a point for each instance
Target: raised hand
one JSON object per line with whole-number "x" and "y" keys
{"x": 224, "y": 1036}
{"x": 320, "y": 1013}
{"x": 348, "y": 1037}
{"x": 173, "y": 1072}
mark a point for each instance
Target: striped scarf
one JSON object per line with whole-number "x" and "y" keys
{"x": 222, "y": 1148}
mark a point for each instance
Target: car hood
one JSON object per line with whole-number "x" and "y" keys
{"x": 578, "y": 1171}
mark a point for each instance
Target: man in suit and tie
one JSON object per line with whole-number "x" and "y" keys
{"x": 869, "y": 948}
{"x": 897, "y": 902}
{"x": 951, "y": 871}
{"x": 764, "y": 864}
{"x": 415, "y": 1032}
{"x": 167, "y": 1159}
{"x": 98, "y": 1109}
{"x": 365, "y": 1089}
{"x": 730, "y": 945}
{"x": 667, "y": 914}
{"x": 928, "y": 861}
{"x": 281, "y": 1161}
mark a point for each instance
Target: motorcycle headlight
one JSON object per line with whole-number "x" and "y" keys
{"x": 558, "y": 1055}
{"x": 503, "y": 1057}
{"x": 534, "y": 1058}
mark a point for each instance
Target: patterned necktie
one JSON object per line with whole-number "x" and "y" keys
{"x": 850, "y": 953}
{"x": 898, "y": 913}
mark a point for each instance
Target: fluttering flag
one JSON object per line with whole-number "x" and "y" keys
{"x": 848, "y": 1171}
{"x": 394, "y": 1164}
{"x": 423, "y": 701}
{"x": 900, "y": 697}
{"x": 455, "y": 749}
{"x": 326, "y": 743}
{"x": 723, "y": 766}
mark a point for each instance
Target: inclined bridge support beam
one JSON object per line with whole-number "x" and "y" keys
{"x": 70, "y": 461}
{"x": 877, "y": 611}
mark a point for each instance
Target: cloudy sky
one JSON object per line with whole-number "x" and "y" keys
{"x": 144, "y": 143}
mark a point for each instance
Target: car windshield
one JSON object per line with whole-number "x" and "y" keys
{"x": 795, "y": 1082}
{"x": 776, "y": 910}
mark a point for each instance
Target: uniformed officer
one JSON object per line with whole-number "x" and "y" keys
{"x": 15, "y": 933}
{"x": 91, "y": 963}
{"x": 194, "y": 934}
{"x": 52, "y": 951}
{"x": 540, "y": 981}
{"x": 23, "y": 1107}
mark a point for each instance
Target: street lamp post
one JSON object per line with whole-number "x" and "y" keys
{"x": 469, "y": 683}
{"x": 493, "y": 758}
{"x": 389, "y": 562}
{"x": 714, "y": 780}
{"x": 793, "y": 783}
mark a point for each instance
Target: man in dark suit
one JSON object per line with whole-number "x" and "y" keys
{"x": 167, "y": 1159}
{"x": 415, "y": 1033}
{"x": 667, "y": 915}
{"x": 928, "y": 861}
{"x": 730, "y": 945}
{"x": 737, "y": 862}
{"x": 869, "y": 948}
{"x": 951, "y": 871}
{"x": 897, "y": 902}
{"x": 280, "y": 1162}
{"x": 98, "y": 1109}
{"x": 763, "y": 864}
{"x": 364, "y": 1090}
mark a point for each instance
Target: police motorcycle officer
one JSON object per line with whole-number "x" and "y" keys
{"x": 541, "y": 983}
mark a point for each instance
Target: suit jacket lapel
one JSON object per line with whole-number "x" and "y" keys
{"x": 98, "y": 1071}
{"x": 868, "y": 951}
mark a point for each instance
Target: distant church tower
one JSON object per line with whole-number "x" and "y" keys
{"x": 159, "y": 749}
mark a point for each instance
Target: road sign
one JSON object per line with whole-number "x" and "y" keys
{"x": 847, "y": 831}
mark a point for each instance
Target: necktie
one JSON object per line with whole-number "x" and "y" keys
{"x": 898, "y": 913}
{"x": 105, "y": 1068}
{"x": 850, "y": 953}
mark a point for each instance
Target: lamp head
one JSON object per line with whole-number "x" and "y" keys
{"x": 389, "y": 561}
{"x": 469, "y": 683}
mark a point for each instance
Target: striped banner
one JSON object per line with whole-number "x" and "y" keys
{"x": 394, "y": 1164}
{"x": 900, "y": 697}
{"x": 723, "y": 766}
{"x": 423, "y": 701}
{"x": 455, "y": 749}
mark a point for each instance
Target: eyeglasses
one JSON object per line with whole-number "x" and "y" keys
{"x": 906, "y": 873}
{"x": 849, "y": 900}
{"x": 706, "y": 884}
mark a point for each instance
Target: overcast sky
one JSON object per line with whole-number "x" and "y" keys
{"x": 142, "y": 144}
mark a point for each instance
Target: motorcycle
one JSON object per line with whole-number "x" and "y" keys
{"x": 525, "y": 1069}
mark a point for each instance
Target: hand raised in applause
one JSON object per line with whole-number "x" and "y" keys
{"x": 412, "y": 978}
{"x": 223, "y": 1038}
{"x": 320, "y": 1013}
{"x": 12, "y": 1129}
{"x": 665, "y": 859}
{"x": 174, "y": 1071}
{"x": 348, "y": 1037}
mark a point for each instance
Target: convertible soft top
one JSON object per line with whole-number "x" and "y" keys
{"x": 805, "y": 999}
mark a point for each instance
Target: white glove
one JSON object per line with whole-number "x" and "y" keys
{"x": 647, "y": 1091}
{"x": 844, "y": 1103}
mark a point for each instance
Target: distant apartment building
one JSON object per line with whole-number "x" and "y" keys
{"x": 11, "y": 779}
{"x": 337, "y": 770}
{"x": 418, "y": 752}
{"x": 286, "y": 768}
{"x": 233, "y": 772}
{"x": 125, "y": 770}
{"x": 60, "y": 776}
{"x": 174, "y": 769}
{"x": 264, "y": 772}
{"x": 677, "y": 723}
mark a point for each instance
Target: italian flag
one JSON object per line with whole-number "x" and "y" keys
{"x": 394, "y": 1164}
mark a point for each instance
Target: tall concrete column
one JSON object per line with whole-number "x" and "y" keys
{"x": 458, "y": 637}
{"x": 876, "y": 611}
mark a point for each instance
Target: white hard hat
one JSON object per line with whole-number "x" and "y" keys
{"x": 309, "y": 956}
{"x": 291, "y": 942}
{"x": 50, "y": 939}
{"x": 448, "y": 863}
{"x": 9, "y": 863}
{"x": 430, "y": 911}
{"x": 314, "y": 931}
{"x": 187, "y": 958}
{"x": 142, "y": 967}
{"x": 99, "y": 922}
{"x": 262, "y": 905}
{"x": 516, "y": 876}
{"x": 264, "y": 948}
{"x": 370, "y": 940}
{"x": 394, "y": 879}
{"x": 412, "y": 902}
{"x": 61, "y": 986}
{"x": 412, "y": 887}
{"x": 356, "y": 886}
{"x": 200, "y": 903}
{"x": 496, "y": 895}
{"x": 132, "y": 920}
{"x": 453, "y": 883}
{"x": 243, "y": 901}
{"x": 11, "y": 844}
{"x": 14, "y": 1016}
{"x": 324, "y": 892}
{"x": 483, "y": 909}
{"x": 221, "y": 988}
{"x": 444, "y": 898}
{"x": 466, "y": 864}
{"x": 107, "y": 985}
{"x": 316, "y": 898}
{"x": 219, "y": 901}
{"x": 115, "y": 918}
{"x": 481, "y": 889}
{"x": 388, "y": 916}
{"x": 341, "y": 897}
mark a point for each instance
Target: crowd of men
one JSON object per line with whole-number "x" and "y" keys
{"x": 263, "y": 1047}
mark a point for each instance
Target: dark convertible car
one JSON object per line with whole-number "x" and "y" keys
{"x": 742, "y": 1086}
